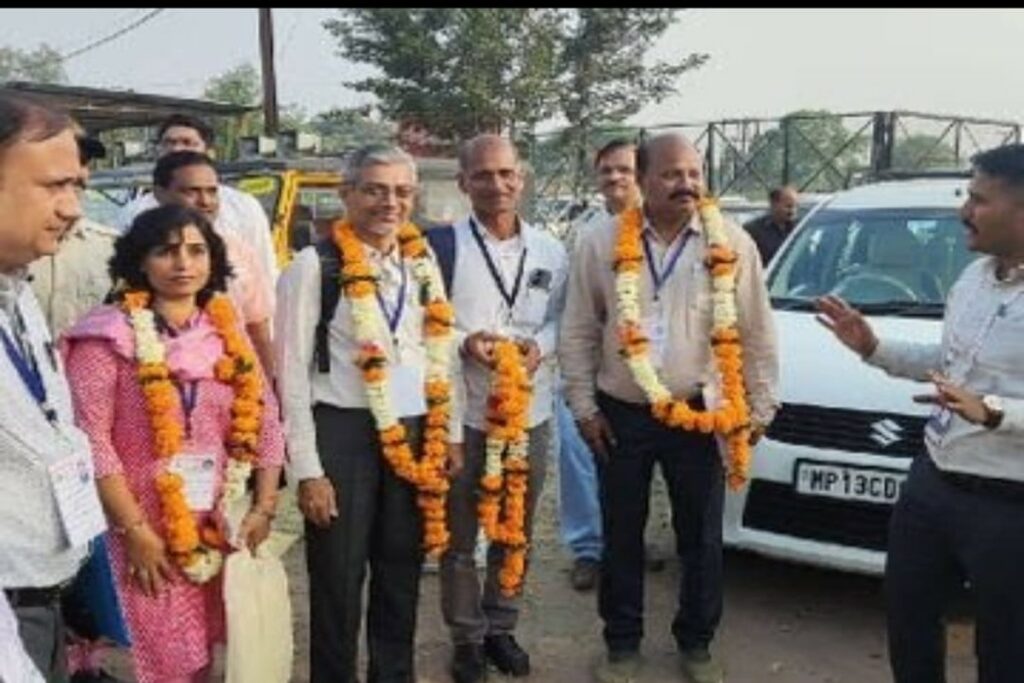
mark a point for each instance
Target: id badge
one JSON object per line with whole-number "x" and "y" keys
{"x": 938, "y": 424}
{"x": 199, "y": 472}
{"x": 74, "y": 486}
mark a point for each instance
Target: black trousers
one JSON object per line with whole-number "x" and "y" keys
{"x": 379, "y": 525}
{"x": 941, "y": 535}
{"x": 692, "y": 469}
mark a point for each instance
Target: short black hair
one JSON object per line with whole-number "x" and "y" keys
{"x": 1005, "y": 163}
{"x": 156, "y": 227}
{"x": 168, "y": 165}
{"x": 27, "y": 119}
{"x": 186, "y": 121}
{"x": 611, "y": 146}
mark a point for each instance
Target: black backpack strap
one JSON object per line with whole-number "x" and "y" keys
{"x": 442, "y": 241}
{"x": 330, "y": 293}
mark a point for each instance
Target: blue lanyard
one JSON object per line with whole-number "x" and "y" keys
{"x": 28, "y": 370}
{"x": 188, "y": 391}
{"x": 661, "y": 278}
{"x": 394, "y": 318}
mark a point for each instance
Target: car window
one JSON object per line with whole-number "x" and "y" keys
{"x": 874, "y": 256}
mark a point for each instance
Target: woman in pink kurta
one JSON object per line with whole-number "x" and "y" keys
{"x": 174, "y": 629}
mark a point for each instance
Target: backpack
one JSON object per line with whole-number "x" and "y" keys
{"x": 442, "y": 241}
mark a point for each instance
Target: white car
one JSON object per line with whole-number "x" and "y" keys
{"x": 827, "y": 473}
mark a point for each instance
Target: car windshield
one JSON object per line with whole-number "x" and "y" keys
{"x": 887, "y": 261}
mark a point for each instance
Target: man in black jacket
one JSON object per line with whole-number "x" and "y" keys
{"x": 770, "y": 230}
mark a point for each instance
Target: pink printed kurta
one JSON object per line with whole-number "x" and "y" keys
{"x": 172, "y": 633}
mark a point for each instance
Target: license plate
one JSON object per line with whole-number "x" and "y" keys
{"x": 848, "y": 483}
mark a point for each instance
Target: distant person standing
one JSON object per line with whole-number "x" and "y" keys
{"x": 579, "y": 508}
{"x": 771, "y": 230}
{"x": 240, "y": 213}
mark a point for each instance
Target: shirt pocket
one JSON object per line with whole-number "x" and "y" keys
{"x": 530, "y": 313}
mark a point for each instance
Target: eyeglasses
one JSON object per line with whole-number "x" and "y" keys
{"x": 379, "y": 191}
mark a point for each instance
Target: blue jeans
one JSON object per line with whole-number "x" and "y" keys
{"x": 577, "y": 489}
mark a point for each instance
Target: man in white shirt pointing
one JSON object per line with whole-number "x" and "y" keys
{"x": 960, "y": 516}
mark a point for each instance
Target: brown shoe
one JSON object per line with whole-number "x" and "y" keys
{"x": 584, "y": 575}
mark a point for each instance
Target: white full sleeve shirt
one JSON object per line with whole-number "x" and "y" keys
{"x": 535, "y": 314}
{"x": 980, "y": 350}
{"x": 302, "y": 385}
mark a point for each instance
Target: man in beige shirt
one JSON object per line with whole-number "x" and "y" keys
{"x": 675, "y": 300}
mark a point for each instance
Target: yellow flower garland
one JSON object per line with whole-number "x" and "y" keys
{"x": 732, "y": 417}
{"x": 359, "y": 283}
{"x": 508, "y": 414}
{"x": 196, "y": 551}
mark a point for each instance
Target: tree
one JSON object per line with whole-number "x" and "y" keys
{"x": 240, "y": 86}
{"x": 42, "y": 65}
{"x": 920, "y": 151}
{"x": 344, "y": 129}
{"x": 822, "y": 152}
{"x": 456, "y": 71}
{"x": 603, "y": 72}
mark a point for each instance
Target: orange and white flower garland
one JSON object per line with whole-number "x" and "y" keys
{"x": 502, "y": 506}
{"x": 359, "y": 283}
{"x": 197, "y": 551}
{"x": 732, "y": 417}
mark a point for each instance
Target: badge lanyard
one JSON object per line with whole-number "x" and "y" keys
{"x": 189, "y": 392}
{"x": 975, "y": 347}
{"x": 508, "y": 297}
{"x": 661, "y": 278}
{"x": 28, "y": 370}
{"x": 394, "y": 318}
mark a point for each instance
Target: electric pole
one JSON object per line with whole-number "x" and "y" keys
{"x": 269, "y": 79}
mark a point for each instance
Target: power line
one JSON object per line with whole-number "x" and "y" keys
{"x": 113, "y": 36}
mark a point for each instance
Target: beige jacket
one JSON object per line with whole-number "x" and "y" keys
{"x": 589, "y": 345}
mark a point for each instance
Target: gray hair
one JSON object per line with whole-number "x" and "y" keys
{"x": 374, "y": 155}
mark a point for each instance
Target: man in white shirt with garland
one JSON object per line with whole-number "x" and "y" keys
{"x": 508, "y": 285}
{"x": 960, "y": 515}
{"x": 369, "y": 378}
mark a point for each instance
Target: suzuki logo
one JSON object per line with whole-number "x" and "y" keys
{"x": 886, "y": 432}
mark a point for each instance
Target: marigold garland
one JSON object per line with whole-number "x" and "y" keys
{"x": 359, "y": 283}
{"x": 197, "y": 551}
{"x": 732, "y": 417}
{"x": 502, "y": 506}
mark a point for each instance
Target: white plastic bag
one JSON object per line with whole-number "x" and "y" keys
{"x": 259, "y": 619}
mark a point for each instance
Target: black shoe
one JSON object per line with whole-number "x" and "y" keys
{"x": 584, "y": 573}
{"x": 505, "y": 653}
{"x": 468, "y": 664}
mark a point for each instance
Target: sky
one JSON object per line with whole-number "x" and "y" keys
{"x": 764, "y": 62}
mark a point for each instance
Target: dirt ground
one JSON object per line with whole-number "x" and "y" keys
{"x": 783, "y": 623}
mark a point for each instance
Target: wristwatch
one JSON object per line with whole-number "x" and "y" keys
{"x": 993, "y": 411}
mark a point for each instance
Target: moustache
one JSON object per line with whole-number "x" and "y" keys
{"x": 682, "y": 194}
